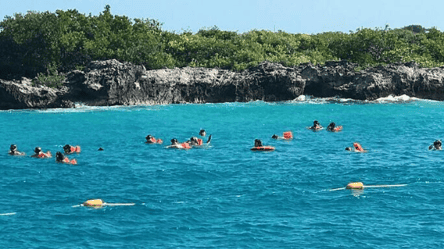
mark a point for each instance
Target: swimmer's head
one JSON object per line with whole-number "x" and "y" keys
{"x": 437, "y": 143}
{"x": 315, "y": 122}
{"x": 349, "y": 148}
{"x": 332, "y": 125}
{"x": 59, "y": 156}
{"x": 148, "y": 137}
{"x": 67, "y": 148}
{"x": 174, "y": 141}
{"x": 193, "y": 139}
{"x": 257, "y": 143}
{"x": 37, "y": 150}
{"x": 274, "y": 136}
{"x": 202, "y": 133}
{"x": 13, "y": 147}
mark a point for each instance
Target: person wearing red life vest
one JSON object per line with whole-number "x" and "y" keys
{"x": 357, "y": 147}
{"x": 152, "y": 140}
{"x": 68, "y": 149}
{"x": 176, "y": 145}
{"x": 40, "y": 154}
{"x": 60, "y": 158}
{"x": 194, "y": 141}
{"x": 333, "y": 128}
{"x": 288, "y": 135}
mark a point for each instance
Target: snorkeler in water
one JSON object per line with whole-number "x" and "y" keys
{"x": 14, "y": 152}
{"x": 68, "y": 149}
{"x": 60, "y": 158}
{"x": 176, "y": 145}
{"x": 152, "y": 140}
{"x": 194, "y": 141}
{"x": 202, "y": 133}
{"x": 316, "y": 126}
{"x": 40, "y": 154}
{"x": 333, "y": 128}
{"x": 287, "y": 136}
{"x": 437, "y": 145}
{"x": 357, "y": 147}
{"x": 258, "y": 146}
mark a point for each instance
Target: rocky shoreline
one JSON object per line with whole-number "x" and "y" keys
{"x": 107, "y": 83}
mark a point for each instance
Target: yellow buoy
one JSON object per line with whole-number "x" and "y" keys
{"x": 355, "y": 185}
{"x": 93, "y": 203}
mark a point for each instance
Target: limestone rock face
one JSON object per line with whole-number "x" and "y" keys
{"x": 111, "y": 82}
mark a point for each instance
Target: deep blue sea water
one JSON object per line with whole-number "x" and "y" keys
{"x": 225, "y": 196}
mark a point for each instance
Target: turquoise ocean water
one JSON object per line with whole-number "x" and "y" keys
{"x": 225, "y": 196}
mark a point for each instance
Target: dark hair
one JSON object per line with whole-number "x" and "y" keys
{"x": 437, "y": 143}
{"x": 274, "y": 136}
{"x": 201, "y": 131}
{"x": 13, "y": 147}
{"x": 173, "y": 140}
{"x": 59, "y": 156}
{"x": 315, "y": 122}
{"x": 37, "y": 150}
{"x": 66, "y": 147}
{"x": 148, "y": 137}
{"x": 257, "y": 143}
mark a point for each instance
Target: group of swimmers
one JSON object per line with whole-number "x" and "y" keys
{"x": 357, "y": 147}
{"x": 60, "y": 157}
{"x": 193, "y": 142}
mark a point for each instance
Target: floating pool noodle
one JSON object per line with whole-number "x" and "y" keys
{"x": 361, "y": 186}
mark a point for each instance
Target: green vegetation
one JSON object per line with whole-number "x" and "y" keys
{"x": 43, "y": 44}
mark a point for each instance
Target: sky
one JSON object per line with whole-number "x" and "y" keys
{"x": 291, "y": 16}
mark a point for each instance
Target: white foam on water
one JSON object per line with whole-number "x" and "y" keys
{"x": 7, "y": 214}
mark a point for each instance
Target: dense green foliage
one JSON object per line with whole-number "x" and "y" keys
{"x": 43, "y": 44}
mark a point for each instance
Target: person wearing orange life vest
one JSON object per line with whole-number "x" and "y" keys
{"x": 14, "y": 152}
{"x": 176, "y": 145}
{"x": 152, "y": 140}
{"x": 60, "y": 158}
{"x": 68, "y": 149}
{"x": 288, "y": 135}
{"x": 357, "y": 147}
{"x": 333, "y": 128}
{"x": 194, "y": 141}
{"x": 40, "y": 154}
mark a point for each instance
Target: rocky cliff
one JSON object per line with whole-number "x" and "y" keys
{"x": 111, "y": 82}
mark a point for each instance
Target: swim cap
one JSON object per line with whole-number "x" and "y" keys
{"x": 37, "y": 150}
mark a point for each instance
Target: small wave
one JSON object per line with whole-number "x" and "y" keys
{"x": 389, "y": 99}
{"x": 7, "y": 214}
